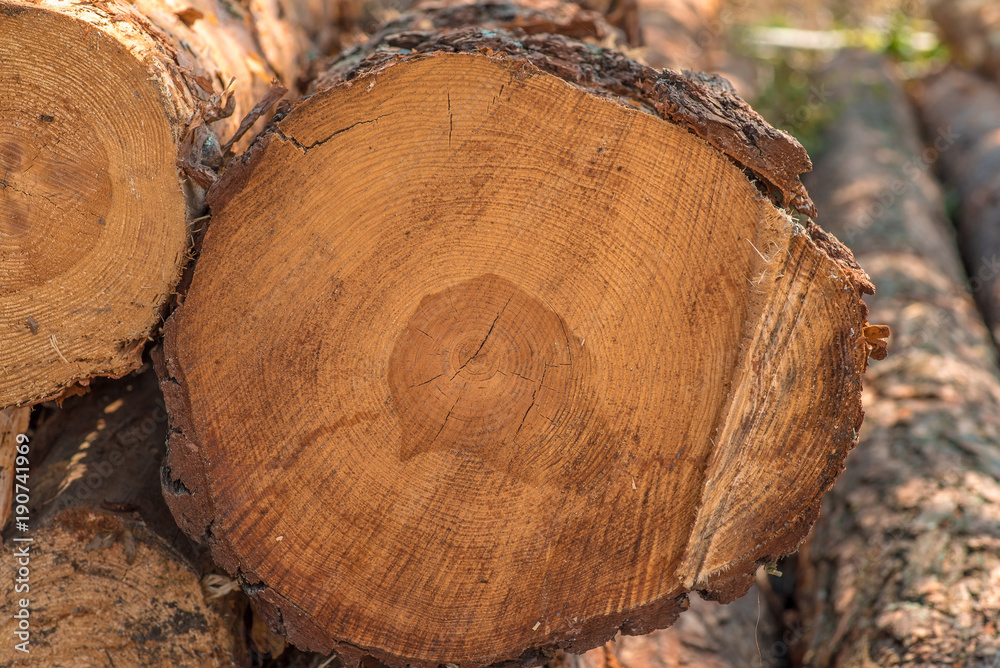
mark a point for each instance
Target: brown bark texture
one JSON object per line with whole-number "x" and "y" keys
{"x": 534, "y": 17}
{"x": 961, "y": 116}
{"x": 903, "y": 566}
{"x": 110, "y": 579}
{"x": 617, "y": 21}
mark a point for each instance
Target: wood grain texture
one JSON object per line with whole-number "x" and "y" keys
{"x": 902, "y": 567}
{"x": 706, "y": 105}
{"x": 114, "y": 120}
{"x": 111, "y": 581}
{"x": 517, "y": 365}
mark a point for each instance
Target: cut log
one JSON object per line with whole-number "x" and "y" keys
{"x": 526, "y": 354}
{"x": 105, "y": 103}
{"x": 903, "y": 566}
{"x": 108, "y": 577}
{"x": 972, "y": 30}
{"x": 961, "y": 120}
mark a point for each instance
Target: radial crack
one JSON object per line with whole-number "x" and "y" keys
{"x": 485, "y": 339}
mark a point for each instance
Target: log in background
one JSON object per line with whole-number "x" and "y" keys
{"x": 903, "y": 567}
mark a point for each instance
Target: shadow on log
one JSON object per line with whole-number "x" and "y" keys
{"x": 903, "y": 566}
{"x": 109, "y": 578}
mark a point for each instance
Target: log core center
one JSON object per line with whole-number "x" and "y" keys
{"x": 55, "y": 199}
{"x": 483, "y": 367}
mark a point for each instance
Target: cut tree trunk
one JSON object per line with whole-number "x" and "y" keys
{"x": 972, "y": 30}
{"x": 109, "y": 580}
{"x": 527, "y": 353}
{"x": 961, "y": 114}
{"x": 109, "y": 108}
{"x": 903, "y": 566}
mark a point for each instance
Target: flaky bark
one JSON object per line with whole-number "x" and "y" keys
{"x": 611, "y": 22}
{"x": 962, "y": 125}
{"x": 111, "y": 579}
{"x": 903, "y": 567}
{"x": 117, "y": 117}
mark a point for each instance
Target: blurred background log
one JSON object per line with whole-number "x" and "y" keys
{"x": 903, "y": 567}
{"x": 961, "y": 114}
{"x": 708, "y": 635}
{"x": 972, "y": 30}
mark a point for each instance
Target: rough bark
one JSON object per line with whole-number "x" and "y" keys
{"x": 611, "y": 22}
{"x": 962, "y": 124}
{"x": 111, "y": 580}
{"x": 486, "y": 473}
{"x": 903, "y": 566}
{"x": 972, "y": 30}
{"x": 531, "y": 16}
{"x": 115, "y": 118}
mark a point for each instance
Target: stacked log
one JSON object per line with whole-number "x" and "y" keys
{"x": 118, "y": 118}
{"x": 972, "y": 30}
{"x": 102, "y": 574}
